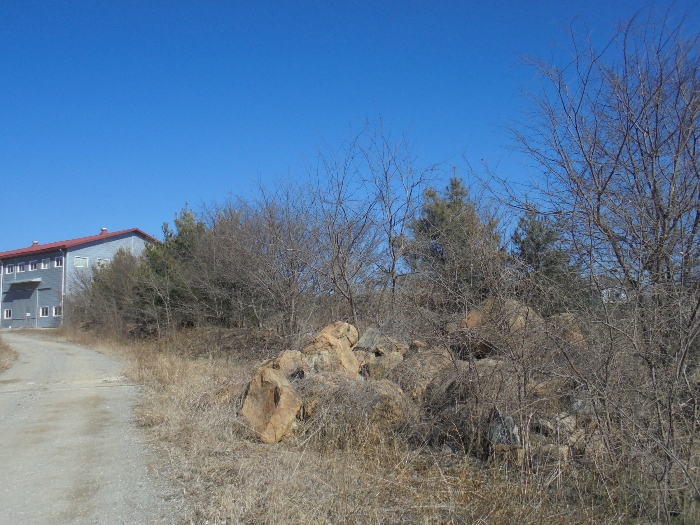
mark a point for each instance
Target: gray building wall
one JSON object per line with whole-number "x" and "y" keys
{"x": 27, "y": 292}
{"x": 98, "y": 250}
{"x": 22, "y": 295}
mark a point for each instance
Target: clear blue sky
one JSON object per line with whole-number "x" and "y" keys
{"x": 115, "y": 114}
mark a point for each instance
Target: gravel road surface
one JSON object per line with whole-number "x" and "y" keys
{"x": 70, "y": 449}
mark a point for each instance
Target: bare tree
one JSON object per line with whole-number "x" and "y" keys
{"x": 616, "y": 135}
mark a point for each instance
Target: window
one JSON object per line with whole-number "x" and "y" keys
{"x": 32, "y": 266}
{"x": 57, "y": 311}
{"x": 59, "y": 262}
{"x": 45, "y": 264}
{"x": 44, "y": 311}
{"x": 10, "y": 268}
{"x": 21, "y": 267}
{"x": 102, "y": 262}
{"x": 8, "y": 314}
{"x": 80, "y": 262}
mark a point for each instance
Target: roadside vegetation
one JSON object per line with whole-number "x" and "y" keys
{"x": 571, "y": 318}
{"x": 7, "y": 356}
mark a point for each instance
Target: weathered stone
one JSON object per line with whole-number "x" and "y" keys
{"x": 345, "y": 333}
{"x": 502, "y": 430}
{"x": 378, "y": 367}
{"x": 270, "y": 405}
{"x": 414, "y": 374}
{"x": 344, "y": 402}
{"x": 566, "y": 327}
{"x": 327, "y": 353}
{"x": 290, "y": 363}
{"x": 368, "y": 341}
{"x": 514, "y": 454}
{"x": 502, "y": 327}
{"x": 362, "y": 357}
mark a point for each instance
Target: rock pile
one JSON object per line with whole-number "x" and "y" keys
{"x": 490, "y": 403}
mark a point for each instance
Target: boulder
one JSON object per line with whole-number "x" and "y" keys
{"x": 502, "y": 430}
{"x": 502, "y": 327}
{"x": 550, "y": 453}
{"x": 270, "y": 405}
{"x": 483, "y": 384}
{"x": 565, "y": 328}
{"x": 345, "y": 333}
{"x": 346, "y": 407}
{"x": 378, "y": 367}
{"x": 362, "y": 357}
{"x": 414, "y": 374}
{"x": 550, "y": 396}
{"x": 368, "y": 341}
{"x": 290, "y": 363}
{"x": 389, "y": 346}
{"x": 327, "y": 353}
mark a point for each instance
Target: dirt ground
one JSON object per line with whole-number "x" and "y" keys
{"x": 70, "y": 448}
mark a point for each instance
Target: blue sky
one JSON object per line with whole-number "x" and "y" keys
{"x": 117, "y": 114}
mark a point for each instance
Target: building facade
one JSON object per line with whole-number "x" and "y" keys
{"x": 35, "y": 281}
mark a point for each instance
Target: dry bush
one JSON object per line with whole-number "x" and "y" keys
{"x": 7, "y": 355}
{"x": 371, "y": 475}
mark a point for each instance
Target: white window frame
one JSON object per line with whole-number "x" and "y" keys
{"x": 10, "y": 268}
{"x": 103, "y": 262}
{"x": 7, "y": 314}
{"x": 21, "y": 267}
{"x": 58, "y": 262}
{"x": 57, "y": 311}
{"x": 45, "y": 264}
{"x": 42, "y": 310}
{"x": 33, "y": 266}
{"x": 82, "y": 259}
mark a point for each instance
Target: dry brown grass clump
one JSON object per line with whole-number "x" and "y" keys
{"x": 7, "y": 355}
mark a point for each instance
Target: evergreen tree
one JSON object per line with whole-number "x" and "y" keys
{"x": 550, "y": 281}
{"x": 456, "y": 249}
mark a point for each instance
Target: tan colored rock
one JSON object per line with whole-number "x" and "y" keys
{"x": 378, "y": 367}
{"x": 345, "y": 333}
{"x": 491, "y": 382}
{"x": 514, "y": 454}
{"x": 415, "y": 347}
{"x": 502, "y": 327}
{"x": 551, "y": 453}
{"x": 289, "y": 362}
{"x": 355, "y": 406}
{"x": 414, "y": 374}
{"x": 387, "y": 347}
{"x": 362, "y": 357}
{"x": 565, "y": 326}
{"x": 270, "y": 405}
{"x": 327, "y": 353}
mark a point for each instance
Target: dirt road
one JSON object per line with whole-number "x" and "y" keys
{"x": 70, "y": 449}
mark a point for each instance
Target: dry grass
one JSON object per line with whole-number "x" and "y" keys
{"x": 7, "y": 355}
{"x": 191, "y": 406}
{"x": 190, "y": 409}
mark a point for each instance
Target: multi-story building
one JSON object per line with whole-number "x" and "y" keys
{"x": 35, "y": 281}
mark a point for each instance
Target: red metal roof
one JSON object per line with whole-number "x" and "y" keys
{"x": 41, "y": 248}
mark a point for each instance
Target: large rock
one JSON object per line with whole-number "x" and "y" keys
{"x": 414, "y": 374}
{"x": 379, "y": 366}
{"x": 343, "y": 407}
{"x": 482, "y": 384}
{"x": 502, "y": 327}
{"x": 345, "y": 333}
{"x": 328, "y": 353}
{"x": 270, "y": 405}
{"x": 368, "y": 341}
{"x": 290, "y": 363}
{"x": 565, "y": 328}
